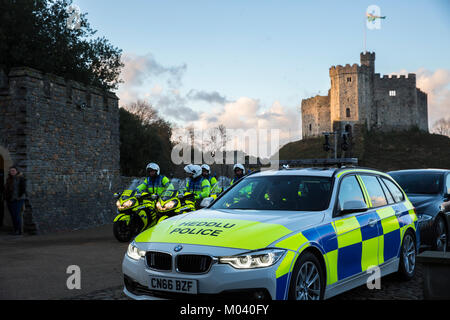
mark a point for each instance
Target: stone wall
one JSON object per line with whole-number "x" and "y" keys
{"x": 65, "y": 137}
{"x": 315, "y": 116}
{"x": 399, "y": 112}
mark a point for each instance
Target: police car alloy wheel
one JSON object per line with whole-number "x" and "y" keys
{"x": 408, "y": 257}
{"x": 307, "y": 280}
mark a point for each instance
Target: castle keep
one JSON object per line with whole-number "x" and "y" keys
{"x": 64, "y": 136}
{"x": 358, "y": 95}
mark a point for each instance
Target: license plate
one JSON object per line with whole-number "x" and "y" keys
{"x": 173, "y": 285}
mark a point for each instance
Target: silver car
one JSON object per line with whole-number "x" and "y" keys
{"x": 295, "y": 234}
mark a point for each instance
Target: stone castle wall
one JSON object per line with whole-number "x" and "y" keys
{"x": 316, "y": 116}
{"x": 64, "y": 136}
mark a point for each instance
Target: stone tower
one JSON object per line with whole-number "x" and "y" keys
{"x": 358, "y": 95}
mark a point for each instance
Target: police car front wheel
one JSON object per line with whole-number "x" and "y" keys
{"x": 307, "y": 282}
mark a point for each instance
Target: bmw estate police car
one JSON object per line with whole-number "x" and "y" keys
{"x": 288, "y": 234}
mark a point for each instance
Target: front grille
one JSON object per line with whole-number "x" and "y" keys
{"x": 159, "y": 260}
{"x": 190, "y": 263}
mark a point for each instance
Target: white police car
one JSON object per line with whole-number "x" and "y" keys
{"x": 288, "y": 234}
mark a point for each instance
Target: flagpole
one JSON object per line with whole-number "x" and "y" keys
{"x": 365, "y": 33}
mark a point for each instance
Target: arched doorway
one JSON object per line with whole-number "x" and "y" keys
{"x": 5, "y": 163}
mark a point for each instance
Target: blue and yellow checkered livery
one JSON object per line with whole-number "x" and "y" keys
{"x": 350, "y": 244}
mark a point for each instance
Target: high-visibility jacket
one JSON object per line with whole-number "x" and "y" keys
{"x": 156, "y": 185}
{"x": 212, "y": 181}
{"x": 200, "y": 187}
{"x": 235, "y": 179}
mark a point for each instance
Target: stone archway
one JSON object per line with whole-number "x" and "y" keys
{"x": 5, "y": 163}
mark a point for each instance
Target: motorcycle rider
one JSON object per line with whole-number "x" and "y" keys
{"x": 206, "y": 173}
{"x": 239, "y": 173}
{"x": 155, "y": 183}
{"x": 196, "y": 183}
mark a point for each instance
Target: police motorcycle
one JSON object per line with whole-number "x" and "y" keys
{"x": 173, "y": 202}
{"x": 136, "y": 212}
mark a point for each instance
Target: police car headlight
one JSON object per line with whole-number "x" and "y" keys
{"x": 252, "y": 260}
{"x": 134, "y": 253}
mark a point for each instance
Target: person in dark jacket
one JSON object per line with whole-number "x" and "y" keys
{"x": 15, "y": 193}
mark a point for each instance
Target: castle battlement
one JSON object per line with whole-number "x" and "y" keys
{"x": 339, "y": 69}
{"x": 396, "y": 80}
{"x": 55, "y": 87}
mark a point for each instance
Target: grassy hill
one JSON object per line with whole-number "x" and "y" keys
{"x": 384, "y": 151}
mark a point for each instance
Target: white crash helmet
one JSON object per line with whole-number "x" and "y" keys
{"x": 153, "y": 166}
{"x": 196, "y": 170}
{"x": 239, "y": 166}
{"x": 206, "y": 167}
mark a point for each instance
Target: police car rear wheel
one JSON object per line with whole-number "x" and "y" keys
{"x": 407, "y": 267}
{"x": 307, "y": 279}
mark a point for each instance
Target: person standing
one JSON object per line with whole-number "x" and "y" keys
{"x": 15, "y": 193}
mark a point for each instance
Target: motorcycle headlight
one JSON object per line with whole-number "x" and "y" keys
{"x": 134, "y": 253}
{"x": 170, "y": 205}
{"x": 128, "y": 203}
{"x": 252, "y": 260}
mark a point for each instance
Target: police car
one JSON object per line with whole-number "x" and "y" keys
{"x": 295, "y": 234}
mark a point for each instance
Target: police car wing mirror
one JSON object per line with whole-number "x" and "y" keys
{"x": 353, "y": 206}
{"x": 206, "y": 202}
{"x": 116, "y": 195}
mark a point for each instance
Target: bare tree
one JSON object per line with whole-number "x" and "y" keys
{"x": 143, "y": 110}
{"x": 442, "y": 126}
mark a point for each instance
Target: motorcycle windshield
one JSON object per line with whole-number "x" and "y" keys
{"x": 216, "y": 189}
{"x": 130, "y": 191}
{"x": 168, "y": 194}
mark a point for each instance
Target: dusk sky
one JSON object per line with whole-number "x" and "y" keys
{"x": 248, "y": 64}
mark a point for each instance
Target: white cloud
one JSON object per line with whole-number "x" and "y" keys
{"x": 247, "y": 113}
{"x": 437, "y": 85}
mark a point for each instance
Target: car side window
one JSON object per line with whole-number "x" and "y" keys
{"x": 375, "y": 191}
{"x": 395, "y": 191}
{"x": 387, "y": 193}
{"x": 350, "y": 191}
{"x": 447, "y": 184}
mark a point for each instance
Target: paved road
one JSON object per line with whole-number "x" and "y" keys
{"x": 34, "y": 267}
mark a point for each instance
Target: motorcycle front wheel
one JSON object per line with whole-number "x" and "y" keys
{"x": 122, "y": 231}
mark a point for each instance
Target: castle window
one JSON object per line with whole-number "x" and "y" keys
{"x": 310, "y": 127}
{"x": 348, "y": 114}
{"x": 392, "y": 93}
{"x": 349, "y": 79}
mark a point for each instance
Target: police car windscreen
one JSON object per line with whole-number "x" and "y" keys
{"x": 290, "y": 193}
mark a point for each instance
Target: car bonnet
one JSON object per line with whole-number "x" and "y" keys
{"x": 230, "y": 228}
